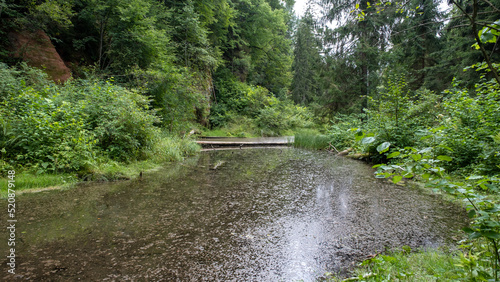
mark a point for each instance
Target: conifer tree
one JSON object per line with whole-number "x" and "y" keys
{"x": 307, "y": 61}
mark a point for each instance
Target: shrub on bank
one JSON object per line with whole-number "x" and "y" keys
{"x": 45, "y": 127}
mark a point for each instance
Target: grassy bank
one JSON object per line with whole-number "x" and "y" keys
{"x": 168, "y": 149}
{"x": 403, "y": 265}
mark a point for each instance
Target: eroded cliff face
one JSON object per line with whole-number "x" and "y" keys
{"x": 36, "y": 49}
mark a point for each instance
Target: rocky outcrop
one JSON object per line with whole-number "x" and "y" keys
{"x": 36, "y": 49}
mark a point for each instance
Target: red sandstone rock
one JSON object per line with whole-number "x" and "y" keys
{"x": 37, "y": 51}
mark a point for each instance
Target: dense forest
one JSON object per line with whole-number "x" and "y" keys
{"x": 86, "y": 85}
{"x": 143, "y": 75}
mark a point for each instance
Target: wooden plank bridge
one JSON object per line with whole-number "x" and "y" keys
{"x": 234, "y": 142}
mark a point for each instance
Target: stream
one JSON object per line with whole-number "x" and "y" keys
{"x": 275, "y": 214}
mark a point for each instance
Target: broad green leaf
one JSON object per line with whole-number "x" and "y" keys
{"x": 408, "y": 175}
{"x": 397, "y": 178}
{"x": 393, "y": 154}
{"x": 444, "y": 158}
{"x": 383, "y": 147}
{"x": 490, "y": 234}
{"x": 468, "y": 230}
{"x": 416, "y": 157}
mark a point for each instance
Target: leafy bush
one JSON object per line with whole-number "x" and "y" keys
{"x": 472, "y": 121}
{"x": 176, "y": 95}
{"x": 271, "y": 115}
{"x": 64, "y": 128}
{"x": 47, "y": 133}
{"x": 341, "y": 133}
{"x": 120, "y": 119}
{"x": 467, "y": 123}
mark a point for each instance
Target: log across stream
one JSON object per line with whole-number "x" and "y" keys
{"x": 217, "y": 142}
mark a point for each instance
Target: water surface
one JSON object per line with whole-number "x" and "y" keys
{"x": 261, "y": 215}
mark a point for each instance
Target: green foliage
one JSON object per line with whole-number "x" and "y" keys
{"x": 471, "y": 122}
{"x": 167, "y": 148}
{"x": 489, "y": 34}
{"x": 483, "y": 261}
{"x": 47, "y": 133}
{"x": 271, "y": 115}
{"x": 277, "y": 118}
{"x": 307, "y": 59}
{"x": 176, "y": 95}
{"x": 53, "y": 14}
{"x": 401, "y": 265}
{"x": 121, "y": 35}
{"x": 415, "y": 135}
{"x": 270, "y": 51}
{"x": 191, "y": 39}
{"x": 341, "y": 133}
{"x": 120, "y": 119}
{"x": 72, "y": 127}
{"x": 311, "y": 139}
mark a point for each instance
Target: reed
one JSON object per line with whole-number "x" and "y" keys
{"x": 311, "y": 140}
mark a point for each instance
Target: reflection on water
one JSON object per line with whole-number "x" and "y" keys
{"x": 263, "y": 215}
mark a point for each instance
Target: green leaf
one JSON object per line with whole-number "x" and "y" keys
{"x": 475, "y": 235}
{"x": 445, "y": 147}
{"x": 416, "y": 157}
{"x": 397, "y": 178}
{"x": 473, "y": 177}
{"x": 471, "y": 214}
{"x": 490, "y": 234}
{"x": 408, "y": 175}
{"x": 384, "y": 147}
{"x": 444, "y": 158}
{"x": 468, "y": 230}
{"x": 368, "y": 140}
{"x": 393, "y": 154}
{"x": 425, "y": 137}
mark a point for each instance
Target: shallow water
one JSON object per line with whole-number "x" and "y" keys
{"x": 262, "y": 215}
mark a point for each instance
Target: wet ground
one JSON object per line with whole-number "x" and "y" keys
{"x": 260, "y": 215}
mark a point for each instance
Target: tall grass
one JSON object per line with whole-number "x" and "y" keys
{"x": 310, "y": 139}
{"x": 168, "y": 148}
{"x": 26, "y": 180}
